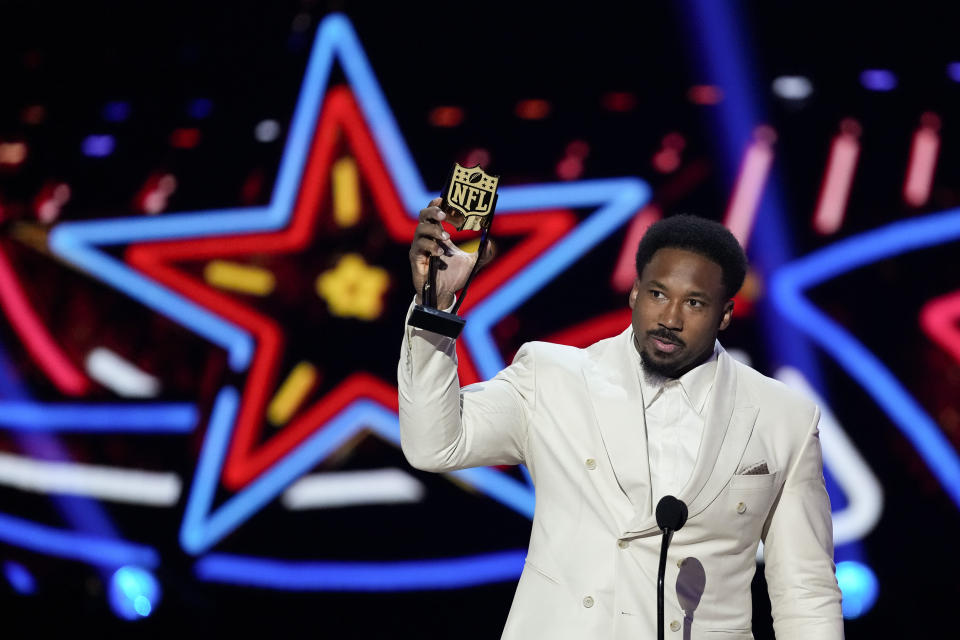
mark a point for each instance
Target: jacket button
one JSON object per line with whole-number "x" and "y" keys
{"x": 674, "y": 626}
{"x": 741, "y": 507}
{"x": 588, "y": 602}
{"x": 590, "y": 464}
{"x": 623, "y": 544}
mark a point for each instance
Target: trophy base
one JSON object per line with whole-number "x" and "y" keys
{"x": 446, "y": 324}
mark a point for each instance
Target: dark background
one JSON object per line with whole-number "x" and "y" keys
{"x": 248, "y": 59}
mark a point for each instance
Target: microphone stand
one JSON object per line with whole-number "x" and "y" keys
{"x": 664, "y": 545}
{"x": 671, "y": 516}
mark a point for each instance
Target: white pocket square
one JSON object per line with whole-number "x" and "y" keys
{"x": 756, "y": 469}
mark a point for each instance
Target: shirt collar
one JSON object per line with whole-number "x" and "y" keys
{"x": 695, "y": 384}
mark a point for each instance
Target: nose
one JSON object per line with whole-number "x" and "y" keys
{"x": 671, "y": 316}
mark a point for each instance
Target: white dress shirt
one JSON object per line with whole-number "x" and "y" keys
{"x": 673, "y": 419}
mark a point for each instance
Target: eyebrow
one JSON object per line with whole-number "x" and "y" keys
{"x": 690, "y": 294}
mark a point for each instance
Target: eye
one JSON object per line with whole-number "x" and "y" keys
{"x": 696, "y": 304}
{"x": 656, "y": 294}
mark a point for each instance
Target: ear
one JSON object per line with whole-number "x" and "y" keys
{"x": 634, "y": 292}
{"x": 727, "y": 315}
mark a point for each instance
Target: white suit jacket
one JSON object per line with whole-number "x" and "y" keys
{"x": 574, "y": 417}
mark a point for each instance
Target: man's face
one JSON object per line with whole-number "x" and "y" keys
{"x": 679, "y": 305}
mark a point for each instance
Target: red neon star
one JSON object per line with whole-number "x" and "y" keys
{"x": 939, "y": 320}
{"x": 39, "y": 343}
{"x": 247, "y": 456}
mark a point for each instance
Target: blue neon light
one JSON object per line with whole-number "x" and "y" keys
{"x": 788, "y": 285}
{"x": 84, "y": 514}
{"x": 98, "y": 146}
{"x": 116, "y": 111}
{"x": 94, "y": 541}
{"x": 70, "y": 241}
{"x": 19, "y": 578}
{"x": 859, "y": 586}
{"x": 878, "y": 80}
{"x": 333, "y": 34}
{"x": 518, "y": 496}
{"x": 133, "y": 593}
{"x": 97, "y": 418}
{"x": 411, "y": 575}
{"x": 953, "y": 71}
{"x": 200, "y": 108}
{"x": 94, "y": 550}
{"x": 728, "y": 62}
{"x": 203, "y": 527}
{"x": 79, "y": 243}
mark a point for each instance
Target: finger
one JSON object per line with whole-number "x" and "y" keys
{"x": 432, "y": 214}
{"x": 430, "y": 247}
{"x": 427, "y": 230}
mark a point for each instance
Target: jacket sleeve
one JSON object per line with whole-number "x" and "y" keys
{"x": 444, "y": 427}
{"x": 798, "y": 551}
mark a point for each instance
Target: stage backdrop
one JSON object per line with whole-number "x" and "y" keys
{"x": 205, "y": 214}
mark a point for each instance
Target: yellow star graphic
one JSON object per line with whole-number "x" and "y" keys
{"x": 353, "y": 288}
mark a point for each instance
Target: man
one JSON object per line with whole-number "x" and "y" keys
{"x": 608, "y": 430}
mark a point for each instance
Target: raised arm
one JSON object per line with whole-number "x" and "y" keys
{"x": 444, "y": 427}
{"x": 441, "y": 426}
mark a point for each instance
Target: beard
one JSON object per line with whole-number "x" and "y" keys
{"x": 657, "y": 373}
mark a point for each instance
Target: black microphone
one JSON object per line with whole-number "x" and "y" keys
{"x": 671, "y": 516}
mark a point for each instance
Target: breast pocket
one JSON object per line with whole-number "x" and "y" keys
{"x": 749, "y": 498}
{"x": 754, "y": 482}
{"x": 541, "y": 572}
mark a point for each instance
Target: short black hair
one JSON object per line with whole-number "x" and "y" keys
{"x": 710, "y": 239}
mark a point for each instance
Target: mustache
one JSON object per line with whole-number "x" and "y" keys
{"x": 667, "y": 336}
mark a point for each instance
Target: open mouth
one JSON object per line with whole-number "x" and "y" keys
{"x": 663, "y": 345}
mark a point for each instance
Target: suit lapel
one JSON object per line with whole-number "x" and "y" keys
{"x": 614, "y": 389}
{"x": 728, "y": 424}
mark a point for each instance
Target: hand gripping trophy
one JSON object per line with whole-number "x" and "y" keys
{"x": 468, "y": 201}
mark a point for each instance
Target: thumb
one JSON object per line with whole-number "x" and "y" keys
{"x": 435, "y": 202}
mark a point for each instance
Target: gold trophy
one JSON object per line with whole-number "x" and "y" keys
{"x": 469, "y": 199}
